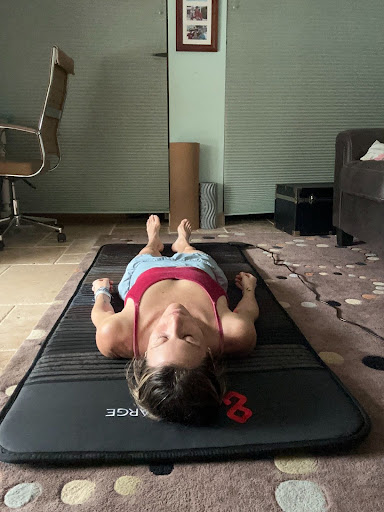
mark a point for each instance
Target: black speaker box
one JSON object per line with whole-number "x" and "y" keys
{"x": 304, "y": 208}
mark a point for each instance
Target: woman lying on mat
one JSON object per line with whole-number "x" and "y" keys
{"x": 182, "y": 328}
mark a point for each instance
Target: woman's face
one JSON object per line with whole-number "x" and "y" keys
{"x": 176, "y": 339}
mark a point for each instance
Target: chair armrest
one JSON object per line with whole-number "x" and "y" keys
{"x": 34, "y": 131}
{"x": 18, "y": 128}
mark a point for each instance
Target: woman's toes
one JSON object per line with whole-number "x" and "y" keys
{"x": 185, "y": 226}
{"x": 153, "y": 222}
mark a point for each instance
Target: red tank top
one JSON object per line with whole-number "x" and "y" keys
{"x": 154, "y": 275}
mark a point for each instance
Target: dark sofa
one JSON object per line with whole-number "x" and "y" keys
{"x": 358, "y": 200}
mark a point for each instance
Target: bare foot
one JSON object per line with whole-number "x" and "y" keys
{"x": 184, "y": 231}
{"x": 153, "y": 230}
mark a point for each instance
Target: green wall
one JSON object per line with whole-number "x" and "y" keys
{"x": 197, "y": 99}
{"x": 254, "y": 90}
{"x": 297, "y": 74}
{"x": 116, "y": 106}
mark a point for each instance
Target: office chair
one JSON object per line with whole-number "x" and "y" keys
{"x": 46, "y": 133}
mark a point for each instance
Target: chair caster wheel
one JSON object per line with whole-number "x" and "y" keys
{"x": 61, "y": 237}
{"x": 2, "y": 245}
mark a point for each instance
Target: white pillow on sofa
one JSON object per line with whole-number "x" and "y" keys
{"x": 375, "y": 152}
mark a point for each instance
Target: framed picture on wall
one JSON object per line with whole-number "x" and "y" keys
{"x": 196, "y": 25}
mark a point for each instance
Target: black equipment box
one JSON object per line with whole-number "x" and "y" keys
{"x": 304, "y": 208}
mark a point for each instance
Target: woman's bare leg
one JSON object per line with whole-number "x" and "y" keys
{"x": 154, "y": 245}
{"x": 182, "y": 242}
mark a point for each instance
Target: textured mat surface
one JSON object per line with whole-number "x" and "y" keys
{"x": 74, "y": 403}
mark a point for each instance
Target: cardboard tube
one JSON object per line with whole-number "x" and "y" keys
{"x": 184, "y": 183}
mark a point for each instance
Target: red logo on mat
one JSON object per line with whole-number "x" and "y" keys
{"x": 237, "y": 412}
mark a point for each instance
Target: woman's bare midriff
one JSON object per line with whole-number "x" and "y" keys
{"x": 158, "y": 297}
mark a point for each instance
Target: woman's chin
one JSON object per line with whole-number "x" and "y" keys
{"x": 176, "y": 306}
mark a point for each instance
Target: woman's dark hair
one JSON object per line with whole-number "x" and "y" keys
{"x": 176, "y": 394}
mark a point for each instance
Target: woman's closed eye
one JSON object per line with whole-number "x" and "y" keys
{"x": 162, "y": 338}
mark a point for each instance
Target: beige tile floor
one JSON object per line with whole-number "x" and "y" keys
{"x": 34, "y": 267}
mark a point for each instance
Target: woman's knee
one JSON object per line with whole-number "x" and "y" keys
{"x": 191, "y": 250}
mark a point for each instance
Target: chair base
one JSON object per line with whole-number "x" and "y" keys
{"x": 17, "y": 220}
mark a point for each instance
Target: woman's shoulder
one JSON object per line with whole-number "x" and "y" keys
{"x": 114, "y": 338}
{"x": 239, "y": 333}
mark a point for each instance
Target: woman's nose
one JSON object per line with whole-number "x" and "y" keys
{"x": 176, "y": 324}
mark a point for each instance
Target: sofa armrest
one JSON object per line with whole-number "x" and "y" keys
{"x": 353, "y": 144}
{"x": 350, "y": 145}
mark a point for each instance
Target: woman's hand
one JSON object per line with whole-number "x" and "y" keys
{"x": 104, "y": 282}
{"x": 246, "y": 282}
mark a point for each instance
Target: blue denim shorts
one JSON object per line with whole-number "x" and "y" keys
{"x": 144, "y": 262}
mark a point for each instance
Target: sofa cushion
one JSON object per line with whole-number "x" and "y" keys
{"x": 364, "y": 179}
{"x": 375, "y": 152}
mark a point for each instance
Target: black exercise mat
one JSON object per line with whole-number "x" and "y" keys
{"x": 73, "y": 404}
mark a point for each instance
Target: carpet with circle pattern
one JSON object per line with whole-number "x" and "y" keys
{"x": 315, "y": 282}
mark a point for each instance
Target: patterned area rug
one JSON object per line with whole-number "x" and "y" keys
{"x": 316, "y": 282}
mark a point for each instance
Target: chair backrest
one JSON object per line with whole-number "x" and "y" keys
{"x": 61, "y": 66}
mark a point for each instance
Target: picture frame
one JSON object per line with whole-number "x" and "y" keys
{"x": 196, "y": 25}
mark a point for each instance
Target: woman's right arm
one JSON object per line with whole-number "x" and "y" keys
{"x": 239, "y": 326}
{"x": 247, "y": 307}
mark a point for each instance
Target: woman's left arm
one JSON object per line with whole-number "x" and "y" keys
{"x": 102, "y": 308}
